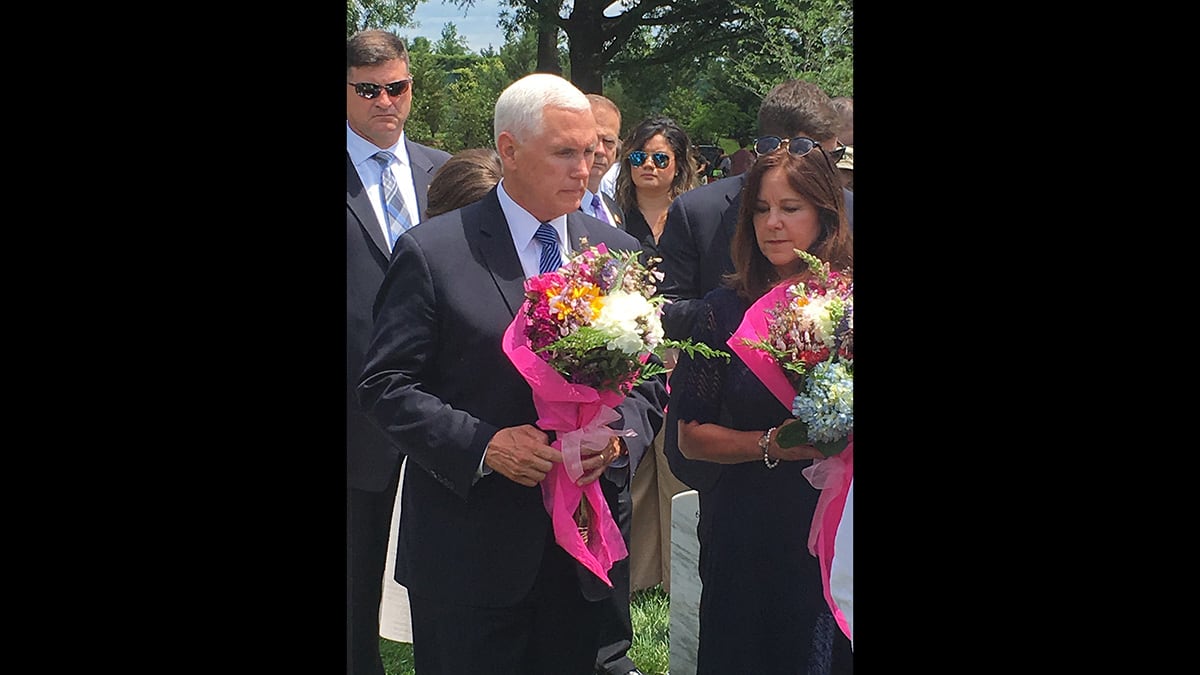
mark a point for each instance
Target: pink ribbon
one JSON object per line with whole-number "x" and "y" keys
{"x": 594, "y": 436}
{"x": 755, "y": 326}
{"x": 832, "y": 477}
{"x": 575, "y": 411}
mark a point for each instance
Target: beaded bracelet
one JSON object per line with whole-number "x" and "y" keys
{"x": 764, "y": 443}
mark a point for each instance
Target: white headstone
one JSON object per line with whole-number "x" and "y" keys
{"x": 395, "y": 620}
{"x": 685, "y": 583}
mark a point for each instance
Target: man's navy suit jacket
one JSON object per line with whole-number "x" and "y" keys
{"x": 371, "y": 460}
{"x": 438, "y": 382}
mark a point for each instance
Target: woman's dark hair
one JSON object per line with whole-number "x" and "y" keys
{"x": 684, "y": 179}
{"x": 465, "y": 178}
{"x": 814, "y": 178}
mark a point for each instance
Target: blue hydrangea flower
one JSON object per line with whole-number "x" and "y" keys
{"x": 826, "y": 406}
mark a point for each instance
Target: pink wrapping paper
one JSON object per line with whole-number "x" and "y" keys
{"x": 577, "y": 413}
{"x": 832, "y": 477}
{"x": 755, "y": 326}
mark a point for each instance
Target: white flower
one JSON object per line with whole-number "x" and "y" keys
{"x": 621, "y": 317}
{"x": 816, "y": 313}
{"x": 654, "y": 334}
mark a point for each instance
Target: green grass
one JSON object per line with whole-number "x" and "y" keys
{"x": 649, "y": 608}
{"x": 397, "y": 657}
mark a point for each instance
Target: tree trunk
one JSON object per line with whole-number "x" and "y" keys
{"x": 587, "y": 72}
{"x": 547, "y": 49}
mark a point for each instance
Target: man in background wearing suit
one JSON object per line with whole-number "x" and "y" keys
{"x": 608, "y": 146}
{"x": 695, "y": 243}
{"x": 616, "y": 630}
{"x": 378, "y": 101}
{"x": 490, "y": 590}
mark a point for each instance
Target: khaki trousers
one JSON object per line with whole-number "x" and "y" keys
{"x": 650, "y": 530}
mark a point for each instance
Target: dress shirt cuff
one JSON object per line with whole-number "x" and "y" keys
{"x": 483, "y": 469}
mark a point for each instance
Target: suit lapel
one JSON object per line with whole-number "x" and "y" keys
{"x": 728, "y": 223}
{"x": 617, "y": 214}
{"x": 422, "y": 173}
{"x": 360, "y": 205}
{"x": 497, "y": 250}
{"x": 576, "y": 231}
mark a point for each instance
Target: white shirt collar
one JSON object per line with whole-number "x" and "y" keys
{"x": 361, "y": 149}
{"x": 586, "y": 202}
{"x": 522, "y": 225}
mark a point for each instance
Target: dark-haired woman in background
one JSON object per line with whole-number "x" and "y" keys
{"x": 658, "y": 167}
{"x": 465, "y": 178}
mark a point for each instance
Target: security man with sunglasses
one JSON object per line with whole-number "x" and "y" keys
{"x": 387, "y": 176}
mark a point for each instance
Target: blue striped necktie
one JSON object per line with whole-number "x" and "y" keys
{"x": 393, "y": 203}
{"x": 551, "y": 260}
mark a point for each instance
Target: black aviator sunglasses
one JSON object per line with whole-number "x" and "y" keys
{"x": 638, "y": 158}
{"x": 370, "y": 90}
{"x": 799, "y": 146}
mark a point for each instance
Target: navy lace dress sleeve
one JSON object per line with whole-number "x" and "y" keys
{"x": 762, "y": 608}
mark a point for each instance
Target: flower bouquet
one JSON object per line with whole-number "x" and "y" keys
{"x": 583, "y": 340}
{"x": 799, "y": 340}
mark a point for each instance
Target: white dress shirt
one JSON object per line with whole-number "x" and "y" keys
{"x": 522, "y": 226}
{"x": 608, "y": 182}
{"x": 362, "y": 154}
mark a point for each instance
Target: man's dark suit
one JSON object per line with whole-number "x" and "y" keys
{"x": 372, "y": 462}
{"x": 437, "y": 380}
{"x": 616, "y": 629}
{"x": 617, "y": 213}
{"x": 694, "y": 247}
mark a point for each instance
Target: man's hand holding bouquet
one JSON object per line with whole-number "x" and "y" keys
{"x": 583, "y": 340}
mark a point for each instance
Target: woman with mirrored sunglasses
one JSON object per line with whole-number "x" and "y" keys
{"x": 656, "y": 167}
{"x": 762, "y": 606}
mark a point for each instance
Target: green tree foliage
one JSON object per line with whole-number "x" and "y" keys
{"x": 807, "y": 39}
{"x": 454, "y": 93}
{"x": 707, "y": 64}
{"x": 594, "y": 40}
{"x": 451, "y": 43}
{"x": 520, "y": 55}
{"x": 363, "y": 14}
{"x": 472, "y": 99}
{"x": 430, "y": 98}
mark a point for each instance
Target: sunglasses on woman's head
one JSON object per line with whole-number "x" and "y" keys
{"x": 370, "y": 90}
{"x": 638, "y": 158}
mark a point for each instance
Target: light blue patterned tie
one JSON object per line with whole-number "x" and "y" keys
{"x": 393, "y": 203}
{"x": 551, "y": 260}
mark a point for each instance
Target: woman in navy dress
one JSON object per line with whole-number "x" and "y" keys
{"x": 762, "y": 609}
